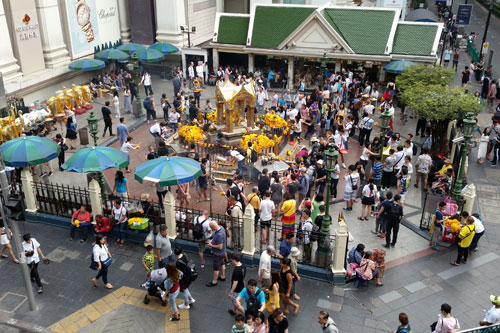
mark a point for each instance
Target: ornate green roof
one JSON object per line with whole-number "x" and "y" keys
{"x": 414, "y": 39}
{"x": 233, "y": 30}
{"x": 273, "y": 24}
{"x": 366, "y": 31}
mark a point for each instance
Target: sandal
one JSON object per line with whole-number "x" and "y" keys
{"x": 122, "y": 243}
{"x": 117, "y": 241}
{"x": 360, "y": 218}
{"x": 108, "y": 286}
{"x": 4, "y": 256}
{"x": 94, "y": 282}
{"x": 16, "y": 261}
{"x": 454, "y": 263}
{"x": 174, "y": 318}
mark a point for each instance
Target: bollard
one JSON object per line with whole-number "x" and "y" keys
{"x": 169, "y": 205}
{"x": 469, "y": 197}
{"x": 28, "y": 189}
{"x": 248, "y": 232}
{"x": 338, "y": 267}
{"x": 95, "y": 198}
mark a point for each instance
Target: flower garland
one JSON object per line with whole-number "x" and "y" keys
{"x": 259, "y": 142}
{"x": 191, "y": 133}
{"x": 453, "y": 224}
{"x": 273, "y": 120}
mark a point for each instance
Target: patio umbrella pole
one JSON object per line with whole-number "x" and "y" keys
{"x": 103, "y": 185}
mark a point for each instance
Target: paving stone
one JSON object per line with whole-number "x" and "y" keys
{"x": 403, "y": 291}
{"x": 126, "y": 266}
{"x": 322, "y": 303}
{"x": 391, "y": 296}
{"x": 337, "y": 291}
{"x": 377, "y": 302}
{"x": 414, "y": 287}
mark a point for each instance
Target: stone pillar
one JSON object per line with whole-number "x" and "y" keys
{"x": 251, "y": 61}
{"x": 95, "y": 198}
{"x": 8, "y": 63}
{"x": 338, "y": 65}
{"x": 229, "y": 121}
{"x": 123, "y": 13}
{"x": 290, "y": 73}
{"x": 250, "y": 116}
{"x": 339, "y": 253}
{"x": 55, "y": 52}
{"x": 220, "y": 113}
{"x": 169, "y": 206}
{"x": 168, "y": 26}
{"x": 469, "y": 197}
{"x": 381, "y": 75}
{"x": 219, "y": 5}
{"x": 215, "y": 60}
{"x": 248, "y": 232}
{"x": 241, "y": 107}
{"x": 29, "y": 193}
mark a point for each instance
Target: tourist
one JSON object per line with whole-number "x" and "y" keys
{"x": 304, "y": 181}
{"x": 423, "y": 165}
{"x": 388, "y": 171}
{"x": 80, "y": 220}
{"x": 203, "y": 234}
{"x": 254, "y": 297}
{"x": 254, "y": 201}
{"x": 122, "y": 131}
{"x": 172, "y": 285}
{"x": 464, "y": 240}
{"x": 483, "y": 145}
{"x": 148, "y": 261}
{"x": 203, "y": 180}
{"x": 356, "y": 254}
{"x": 164, "y": 253}
{"x": 127, "y": 99}
{"x": 404, "y": 326}
{"x": 446, "y": 322}
{"x": 352, "y": 180}
{"x": 119, "y": 216}
{"x": 101, "y": 261}
{"x": 327, "y": 323}
{"x": 183, "y": 265}
{"x": 286, "y": 245}
{"x": 286, "y": 283}
{"x": 273, "y": 301}
{"x": 288, "y": 220}
{"x": 307, "y": 227}
{"x": 146, "y": 80}
{"x": 259, "y": 323}
{"x": 403, "y": 183}
{"x": 126, "y": 148}
{"x": 133, "y": 89}
{"x": 183, "y": 194}
{"x": 265, "y": 267}
{"x": 368, "y": 270}
{"x": 237, "y": 281}
{"x": 251, "y": 158}
{"x": 102, "y": 225}
{"x": 71, "y": 132}
{"x": 276, "y": 192}
{"x": 61, "y": 157}
{"x": 294, "y": 256}
{"x": 239, "y": 324}
{"x": 369, "y": 194}
{"x": 479, "y": 232}
{"x": 394, "y": 215}
{"x": 379, "y": 220}
{"x": 5, "y": 234}
{"x": 236, "y": 215}
{"x": 108, "y": 121}
{"x": 492, "y": 317}
{"x": 116, "y": 103}
{"x": 218, "y": 245}
{"x": 267, "y": 208}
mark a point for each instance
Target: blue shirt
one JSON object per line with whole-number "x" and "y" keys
{"x": 120, "y": 185}
{"x": 219, "y": 238}
{"x": 377, "y": 170}
{"x": 270, "y": 75}
{"x": 354, "y": 256}
{"x": 285, "y": 248}
{"x": 244, "y": 294}
{"x": 122, "y": 132}
{"x": 439, "y": 216}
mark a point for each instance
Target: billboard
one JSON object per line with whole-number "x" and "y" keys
{"x": 91, "y": 23}
{"x": 464, "y": 14}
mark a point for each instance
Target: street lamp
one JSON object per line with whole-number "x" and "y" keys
{"x": 469, "y": 123}
{"x": 186, "y": 30}
{"x": 323, "y": 70}
{"x": 93, "y": 127}
{"x": 492, "y": 4}
{"x": 135, "y": 58}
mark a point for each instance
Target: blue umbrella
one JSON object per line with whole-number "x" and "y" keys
{"x": 87, "y": 65}
{"x": 150, "y": 55}
{"x": 164, "y": 48}
{"x": 168, "y": 171}
{"x": 131, "y": 47}
{"x": 112, "y": 54}
{"x": 95, "y": 159}
{"x": 29, "y": 150}
{"x": 398, "y": 66}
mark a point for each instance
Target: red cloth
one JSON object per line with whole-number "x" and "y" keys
{"x": 174, "y": 288}
{"x": 105, "y": 226}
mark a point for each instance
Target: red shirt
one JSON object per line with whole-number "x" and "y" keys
{"x": 104, "y": 226}
{"x": 84, "y": 218}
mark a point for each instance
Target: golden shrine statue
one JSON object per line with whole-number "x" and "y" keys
{"x": 232, "y": 98}
{"x": 77, "y": 96}
{"x": 8, "y": 127}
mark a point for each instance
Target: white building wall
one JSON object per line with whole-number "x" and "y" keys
{"x": 201, "y": 14}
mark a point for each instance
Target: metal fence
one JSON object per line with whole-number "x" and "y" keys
{"x": 60, "y": 200}
{"x": 483, "y": 329}
{"x": 138, "y": 208}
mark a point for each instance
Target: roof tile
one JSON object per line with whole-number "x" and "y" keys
{"x": 414, "y": 39}
{"x": 233, "y": 30}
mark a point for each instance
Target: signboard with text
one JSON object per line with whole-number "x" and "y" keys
{"x": 91, "y": 23}
{"x": 464, "y": 14}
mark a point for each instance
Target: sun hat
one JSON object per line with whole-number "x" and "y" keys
{"x": 294, "y": 252}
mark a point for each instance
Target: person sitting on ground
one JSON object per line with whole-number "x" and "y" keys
{"x": 356, "y": 254}
{"x": 368, "y": 270}
{"x": 102, "y": 225}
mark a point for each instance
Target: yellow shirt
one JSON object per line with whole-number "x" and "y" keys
{"x": 445, "y": 168}
{"x": 249, "y": 155}
{"x": 274, "y": 298}
{"x": 466, "y": 234}
{"x": 254, "y": 200}
{"x": 288, "y": 207}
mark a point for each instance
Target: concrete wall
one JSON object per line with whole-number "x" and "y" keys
{"x": 201, "y": 14}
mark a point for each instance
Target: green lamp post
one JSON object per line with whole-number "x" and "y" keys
{"x": 93, "y": 127}
{"x": 331, "y": 160}
{"x": 137, "y": 72}
{"x": 469, "y": 123}
{"x": 323, "y": 70}
{"x": 384, "y": 125}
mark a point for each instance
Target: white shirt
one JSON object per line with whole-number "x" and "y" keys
{"x": 493, "y": 315}
{"x": 408, "y": 151}
{"x": 336, "y": 175}
{"x": 100, "y": 253}
{"x": 126, "y": 147}
{"x": 265, "y": 264}
{"x": 479, "y": 228}
{"x": 32, "y": 246}
{"x": 205, "y": 224}
{"x": 266, "y": 210}
{"x": 369, "y": 193}
{"x": 147, "y": 79}
{"x": 351, "y": 179}
{"x": 155, "y": 128}
{"x": 199, "y": 70}
{"x": 191, "y": 72}
{"x": 119, "y": 212}
{"x": 173, "y": 117}
{"x": 339, "y": 140}
{"x": 116, "y": 101}
{"x": 235, "y": 153}
{"x": 261, "y": 96}
{"x": 364, "y": 154}
{"x": 292, "y": 113}
{"x": 307, "y": 228}
{"x": 400, "y": 159}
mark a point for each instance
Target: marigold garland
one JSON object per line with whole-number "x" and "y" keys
{"x": 259, "y": 142}
{"x": 191, "y": 133}
{"x": 453, "y": 224}
{"x": 273, "y": 120}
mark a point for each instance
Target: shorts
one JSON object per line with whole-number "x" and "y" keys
{"x": 349, "y": 195}
{"x": 403, "y": 196}
{"x": 265, "y": 224}
{"x": 369, "y": 201}
{"x": 422, "y": 174}
{"x": 4, "y": 240}
{"x": 235, "y": 296}
{"x": 203, "y": 185}
{"x": 201, "y": 246}
{"x": 218, "y": 262}
{"x": 266, "y": 283}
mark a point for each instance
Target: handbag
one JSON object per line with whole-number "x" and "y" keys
{"x": 106, "y": 263}
{"x": 451, "y": 207}
{"x": 354, "y": 186}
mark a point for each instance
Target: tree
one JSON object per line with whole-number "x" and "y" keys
{"x": 427, "y": 90}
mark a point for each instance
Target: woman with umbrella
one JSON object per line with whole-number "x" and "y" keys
{"x": 71, "y": 132}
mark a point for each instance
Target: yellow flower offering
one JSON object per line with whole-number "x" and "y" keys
{"x": 273, "y": 120}
{"x": 191, "y": 133}
{"x": 77, "y": 223}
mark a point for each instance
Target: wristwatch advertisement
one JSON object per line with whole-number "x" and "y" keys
{"x": 83, "y": 18}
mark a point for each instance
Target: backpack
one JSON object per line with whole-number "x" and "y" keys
{"x": 198, "y": 230}
{"x": 253, "y": 304}
{"x": 393, "y": 213}
{"x": 415, "y": 149}
{"x": 254, "y": 157}
{"x": 242, "y": 152}
{"x": 147, "y": 103}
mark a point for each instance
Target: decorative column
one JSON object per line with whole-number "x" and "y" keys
{"x": 169, "y": 206}
{"x": 339, "y": 253}
{"x": 168, "y": 26}
{"x": 338, "y": 65}
{"x": 220, "y": 113}
{"x": 241, "y": 107}
{"x": 381, "y": 75}
{"x": 123, "y": 15}
{"x": 55, "y": 52}
{"x": 248, "y": 232}
{"x": 469, "y": 197}
{"x": 251, "y": 61}
{"x": 8, "y": 64}
{"x": 95, "y": 198}
{"x": 29, "y": 193}
{"x": 229, "y": 121}
{"x": 250, "y": 116}
{"x": 290, "y": 72}
{"x": 215, "y": 60}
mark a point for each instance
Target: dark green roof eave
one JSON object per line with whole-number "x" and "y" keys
{"x": 233, "y": 30}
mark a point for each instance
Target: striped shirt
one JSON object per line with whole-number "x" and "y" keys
{"x": 367, "y": 123}
{"x": 377, "y": 170}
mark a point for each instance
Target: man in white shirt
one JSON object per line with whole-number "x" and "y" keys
{"x": 239, "y": 159}
{"x": 146, "y": 80}
{"x": 32, "y": 251}
{"x": 307, "y": 229}
{"x": 207, "y": 232}
{"x": 156, "y": 129}
{"x": 493, "y": 315}
{"x": 173, "y": 120}
{"x": 292, "y": 113}
{"x": 237, "y": 217}
{"x": 191, "y": 75}
{"x": 199, "y": 72}
{"x": 267, "y": 208}
{"x": 400, "y": 159}
{"x": 265, "y": 267}
{"x": 261, "y": 98}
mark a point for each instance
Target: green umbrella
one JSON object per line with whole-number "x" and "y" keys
{"x": 29, "y": 150}
{"x": 398, "y": 66}
{"x": 131, "y": 47}
{"x": 168, "y": 171}
{"x": 86, "y": 65}
{"x": 112, "y": 54}
{"x": 94, "y": 159}
{"x": 164, "y": 48}
{"x": 150, "y": 55}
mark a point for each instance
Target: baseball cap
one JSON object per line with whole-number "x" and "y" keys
{"x": 303, "y": 169}
{"x": 495, "y": 299}
{"x": 320, "y": 162}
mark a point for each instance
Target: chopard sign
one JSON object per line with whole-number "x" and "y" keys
{"x": 106, "y": 14}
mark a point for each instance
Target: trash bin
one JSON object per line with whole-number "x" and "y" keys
{"x": 83, "y": 133}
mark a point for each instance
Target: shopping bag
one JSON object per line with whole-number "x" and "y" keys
{"x": 451, "y": 207}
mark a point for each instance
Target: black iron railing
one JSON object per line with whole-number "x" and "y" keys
{"x": 60, "y": 200}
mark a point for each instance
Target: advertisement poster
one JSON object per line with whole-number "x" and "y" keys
{"x": 91, "y": 23}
